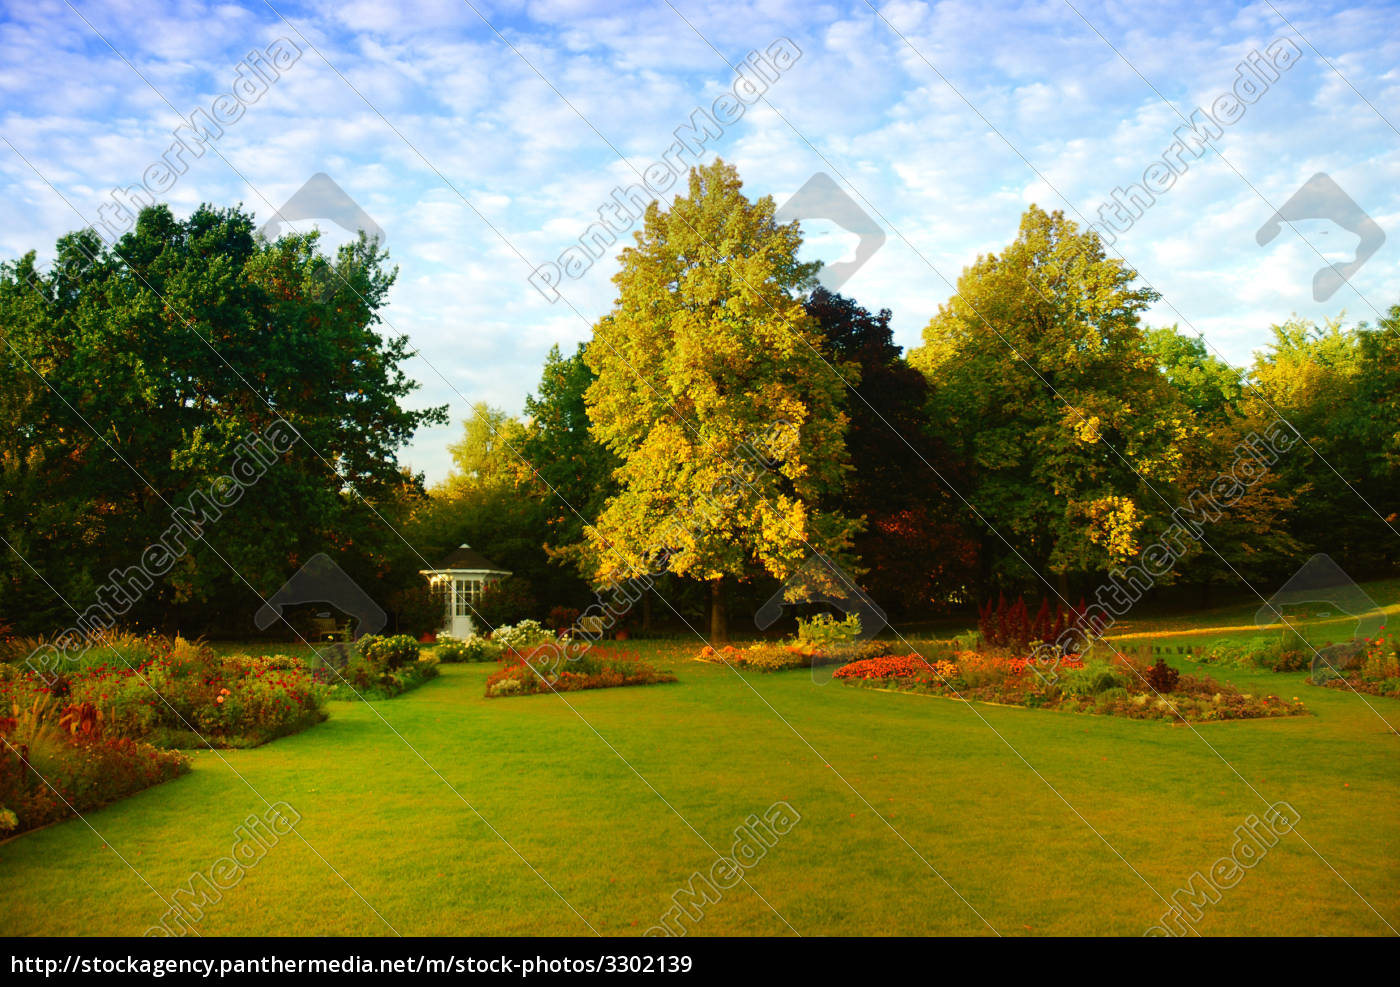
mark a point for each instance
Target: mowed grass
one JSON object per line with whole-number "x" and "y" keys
{"x": 443, "y": 813}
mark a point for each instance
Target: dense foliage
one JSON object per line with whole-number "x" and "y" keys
{"x": 727, "y": 419}
{"x": 131, "y": 380}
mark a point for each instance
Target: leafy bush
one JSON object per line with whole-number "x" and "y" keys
{"x": 266, "y": 663}
{"x": 451, "y": 650}
{"x": 417, "y": 608}
{"x": 773, "y": 657}
{"x": 526, "y": 634}
{"x": 1378, "y": 671}
{"x": 390, "y": 653}
{"x": 561, "y": 619}
{"x": 966, "y": 641}
{"x": 1161, "y": 677}
{"x": 1094, "y": 678}
{"x": 1289, "y": 652}
{"x": 824, "y": 630}
{"x": 364, "y": 679}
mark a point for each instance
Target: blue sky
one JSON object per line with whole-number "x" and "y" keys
{"x": 483, "y": 139}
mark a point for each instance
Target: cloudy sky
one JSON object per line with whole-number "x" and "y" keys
{"x": 483, "y": 138}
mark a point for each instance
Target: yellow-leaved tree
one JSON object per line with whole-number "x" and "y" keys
{"x": 713, "y": 391}
{"x": 1043, "y": 383}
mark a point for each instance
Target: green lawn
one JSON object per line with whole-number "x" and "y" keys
{"x": 1079, "y": 833}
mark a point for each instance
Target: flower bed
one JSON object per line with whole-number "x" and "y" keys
{"x": 1377, "y": 673}
{"x": 383, "y": 668}
{"x": 1121, "y": 687}
{"x": 546, "y": 668}
{"x": 450, "y": 650}
{"x": 773, "y": 657}
{"x": 55, "y": 760}
{"x": 365, "y": 680}
{"x": 177, "y": 693}
{"x": 1286, "y": 652}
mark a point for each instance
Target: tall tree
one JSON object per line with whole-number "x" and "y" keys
{"x": 1043, "y": 384}
{"x": 1251, "y": 538}
{"x": 1334, "y": 386}
{"x": 916, "y": 545}
{"x": 486, "y": 501}
{"x": 574, "y": 470}
{"x": 1209, "y": 387}
{"x": 147, "y": 365}
{"x": 488, "y": 453}
{"x": 714, "y": 394}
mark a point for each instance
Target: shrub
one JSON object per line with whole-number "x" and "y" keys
{"x": 526, "y": 634}
{"x": 451, "y": 650}
{"x": 823, "y": 630}
{"x": 1377, "y": 670}
{"x": 389, "y": 652}
{"x": 481, "y": 649}
{"x": 1161, "y": 677}
{"x": 364, "y": 679}
{"x": 1290, "y": 652}
{"x": 265, "y": 663}
{"x": 1094, "y": 678}
{"x": 979, "y": 670}
{"x": 1010, "y": 625}
{"x": 418, "y": 608}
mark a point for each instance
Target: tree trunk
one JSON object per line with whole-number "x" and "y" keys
{"x": 646, "y": 610}
{"x": 1062, "y": 581}
{"x": 719, "y": 618}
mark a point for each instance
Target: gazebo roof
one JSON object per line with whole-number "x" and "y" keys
{"x": 465, "y": 558}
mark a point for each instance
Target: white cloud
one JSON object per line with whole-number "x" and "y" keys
{"x": 1054, "y": 111}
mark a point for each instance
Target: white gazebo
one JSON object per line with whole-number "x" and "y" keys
{"x": 460, "y": 579}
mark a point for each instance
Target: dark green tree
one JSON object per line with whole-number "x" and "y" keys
{"x": 916, "y": 547}
{"x": 150, "y": 363}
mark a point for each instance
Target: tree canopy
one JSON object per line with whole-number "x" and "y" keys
{"x": 135, "y": 374}
{"x": 713, "y": 392}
